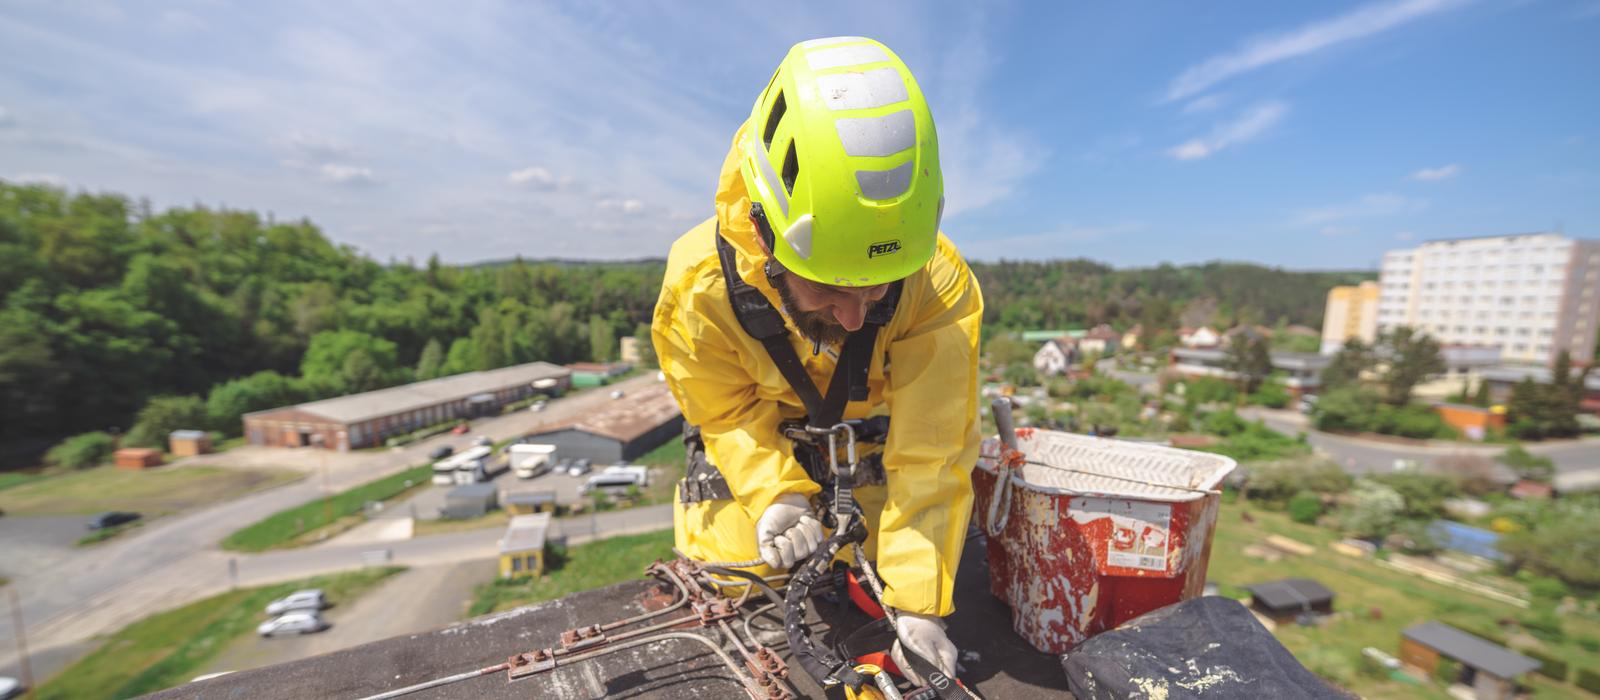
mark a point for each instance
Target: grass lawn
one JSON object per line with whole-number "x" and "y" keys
{"x": 1372, "y": 605}
{"x": 584, "y": 567}
{"x": 290, "y": 528}
{"x": 152, "y": 492}
{"x": 169, "y": 648}
{"x": 10, "y": 479}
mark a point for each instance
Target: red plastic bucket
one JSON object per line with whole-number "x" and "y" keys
{"x": 1095, "y": 532}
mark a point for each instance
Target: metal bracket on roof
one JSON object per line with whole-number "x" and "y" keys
{"x": 530, "y": 663}
{"x": 582, "y": 638}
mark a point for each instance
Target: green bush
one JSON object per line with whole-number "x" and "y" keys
{"x": 1209, "y": 390}
{"x": 1224, "y": 423}
{"x": 1305, "y": 507}
{"x": 1271, "y": 395}
{"x": 82, "y": 450}
{"x": 1548, "y": 588}
{"x": 1544, "y": 624}
{"x": 1280, "y": 481}
{"x": 1589, "y": 644}
{"x": 1412, "y": 421}
{"x": 1345, "y": 409}
{"x": 1549, "y": 666}
{"x": 164, "y": 414}
{"x": 1587, "y": 679}
{"x": 1414, "y": 538}
{"x": 1447, "y": 671}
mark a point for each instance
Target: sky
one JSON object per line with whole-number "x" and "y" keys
{"x": 1307, "y": 135}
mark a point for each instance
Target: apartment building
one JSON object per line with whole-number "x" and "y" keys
{"x": 1352, "y": 312}
{"x": 1530, "y": 295}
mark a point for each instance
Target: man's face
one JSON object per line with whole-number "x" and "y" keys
{"x": 825, "y": 313}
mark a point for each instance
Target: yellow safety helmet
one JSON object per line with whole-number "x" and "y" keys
{"x": 842, "y": 165}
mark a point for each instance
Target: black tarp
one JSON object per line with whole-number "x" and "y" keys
{"x": 1208, "y": 647}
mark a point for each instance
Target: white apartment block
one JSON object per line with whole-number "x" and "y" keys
{"x": 1531, "y": 295}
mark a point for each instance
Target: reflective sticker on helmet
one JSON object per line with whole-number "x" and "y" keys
{"x": 874, "y": 88}
{"x": 830, "y": 41}
{"x": 878, "y": 136}
{"x": 846, "y": 56}
{"x": 799, "y": 237}
{"x": 885, "y": 184}
{"x": 770, "y": 179}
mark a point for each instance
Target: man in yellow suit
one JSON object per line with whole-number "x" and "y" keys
{"x": 828, "y": 208}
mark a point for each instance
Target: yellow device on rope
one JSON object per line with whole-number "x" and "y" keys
{"x": 885, "y": 689}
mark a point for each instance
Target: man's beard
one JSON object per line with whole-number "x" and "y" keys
{"x": 815, "y": 326}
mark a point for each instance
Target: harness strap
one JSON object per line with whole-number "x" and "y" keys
{"x": 761, "y": 321}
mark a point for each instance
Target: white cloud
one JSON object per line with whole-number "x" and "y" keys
{"x": 346, "y": 174}
{"x": 536, "y": 178}
{"x": 626, "y": 206}
{"x": 1369, "y": 206}
{"x": 1267, "y": 50}
{"x": 41, "y": 179}
{"x": 1440, "y": 173}
{"x": 1248, "y": 126}
{"x": 1206, "y": 103}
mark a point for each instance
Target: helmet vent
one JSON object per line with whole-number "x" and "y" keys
{"x": 791, "y": 168}
{"x": 776, "y": 115}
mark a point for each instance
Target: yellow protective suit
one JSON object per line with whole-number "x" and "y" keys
{"x": 924, "y": 374}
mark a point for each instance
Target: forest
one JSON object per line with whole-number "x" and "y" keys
{"x": 108, "y": 308}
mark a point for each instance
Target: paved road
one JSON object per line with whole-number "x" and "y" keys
{"x": 1362, "y": 456}
{"x": 174, "y": 560}
{"x": 427, "y": 598}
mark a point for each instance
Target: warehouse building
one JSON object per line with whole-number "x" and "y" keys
{"x": 367, "y": 419}
{"x": 624, "y": 429}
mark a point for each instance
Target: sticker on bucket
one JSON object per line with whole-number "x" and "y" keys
{"x": 1139, "y": 535}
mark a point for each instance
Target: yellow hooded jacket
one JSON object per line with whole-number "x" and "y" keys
{"x": 924, "y": 374}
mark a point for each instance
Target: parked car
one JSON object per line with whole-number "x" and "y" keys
{"x": 579, "y": 467}
{"x": 616, "y": 393}
{"x": 612, "y": 483}
{"x": 461, "y": 429}
{"x": 537, "y": 406}
{"x": 441, "y": 452}
{"x": 297, "y": 622}
{"x": 308, "y": 599}
{"x": 484, "y": 441}
{"x": 1308, "y": 403}
{"x": 10, "y": 687}
{"x": 111, "y": 519}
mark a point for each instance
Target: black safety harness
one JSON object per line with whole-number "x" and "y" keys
{"x": 760, "y": 320}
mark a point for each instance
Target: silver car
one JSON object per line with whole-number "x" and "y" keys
{"x": 297, "y": 622}
{"x": 308, "y": 599}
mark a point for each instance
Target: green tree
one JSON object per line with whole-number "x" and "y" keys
{"x": 1005, "y": 349}
{"x": 461, "y": 358}
{"x": 647, "y": 346}
{"x": 1021, "y": 375}
{"x": 1528, "y": 465}
{"x": 431, "y": 361}
{"x": 602, "y": 340}
{"x": 1371, "y": 510}
{"x": 1249, "y": 357}
{"x": 257, "y": 392}
{"x": 1409, "y": 357}
{"x": 1562, "y": 539}
{"x": 164, "y": 414}
{"x": 1346, "y": 409}
{"x": 1347, "y": 365}
{"x": 352, "y": 359}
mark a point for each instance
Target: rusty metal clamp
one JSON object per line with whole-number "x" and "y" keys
{"x": 1009, "y": 458}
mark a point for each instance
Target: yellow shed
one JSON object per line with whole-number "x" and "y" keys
{"x": 522, "y": 549}
{"x": 530, "y": 502}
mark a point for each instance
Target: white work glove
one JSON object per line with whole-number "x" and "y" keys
{"x": 925, "y": 635}
{"x": 787, "y": 532}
